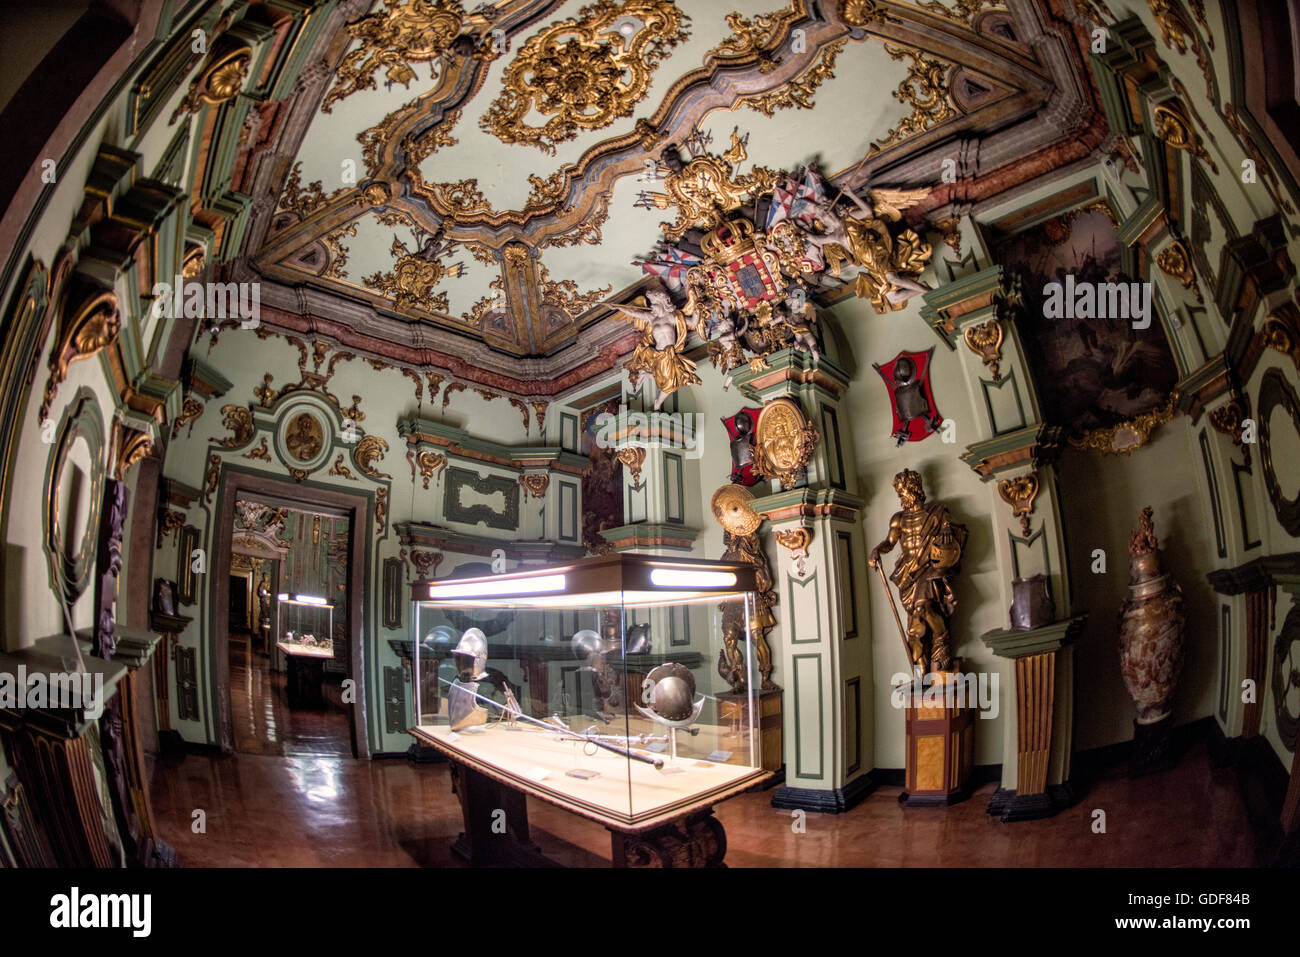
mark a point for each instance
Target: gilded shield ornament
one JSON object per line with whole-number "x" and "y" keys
{"x": 732, "y": 508}
{"x": 783, "y": 442}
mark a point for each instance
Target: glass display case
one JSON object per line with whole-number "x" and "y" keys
{"x": 305, "y": 625}
{"x": 594, "y": 685}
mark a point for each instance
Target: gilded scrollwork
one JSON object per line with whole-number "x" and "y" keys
{"x": 585, "y": 72}
{"x": 338, "y": 253}
{"x": 370, "y": 450}
{"x": 191, "y": 409}
{"x": 783, "y": 442}
{"x": 1020, "y": 493}
{"x": 1178, "y": 33}
{"x": 338, "y": 468}
{"x": 89, "y": 325}
{"x": 1127, "y": 437}
{"x": 633, "y": 458}
{"x": 985, "y": 340}
{"x": 429, "y": 464}
{"x": 393, "y": 38}
{"x": 1230, "y": 419}
{"x": 211, "y": 477}
{"x": 1176, "y": 262}
{"x": 1173, "y": 126}
{"x": 169, "y": 520}
{"x": 925, "y": 90}
{"x": 535, "y": 483}
{"x": 1249, "y": 144}
{"x": 564, "y": 293}
{"x": 411, "y": 281}
{"x": 799, "y": 91}
{"x": 305, "y": 200}
{"x": 239, "y": 420}
{"x": 755, "y": 38}
{"x": 261, "y": 451}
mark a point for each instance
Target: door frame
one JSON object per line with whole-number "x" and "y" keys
{"x": 233, "y": 484}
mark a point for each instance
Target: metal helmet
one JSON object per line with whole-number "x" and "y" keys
{"x": 674, "y": 689}
{"x": 474, "y": 647}
{"x": 437, "y": 643}
{"x": 587, "y": 643}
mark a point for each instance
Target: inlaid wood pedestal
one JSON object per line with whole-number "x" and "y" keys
{"x": 1035, "y": 653}
{"x": 940, "y": 748}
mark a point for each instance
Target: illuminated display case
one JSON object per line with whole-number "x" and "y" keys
{"x": 304, "y": 626}
{"x": 593, "y": 685}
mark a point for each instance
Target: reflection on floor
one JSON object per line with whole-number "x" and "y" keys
{"x": 263, "y": 720}
{"x": 310, "y": 811}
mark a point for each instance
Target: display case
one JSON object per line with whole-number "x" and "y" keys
{"x": 305, "y": 625}
{"x": 593, "y": 685}
{"x": 305, "y": 630}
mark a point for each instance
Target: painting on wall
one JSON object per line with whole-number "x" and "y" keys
{"x": 602, "y": 482}
{"x": 1093, "y": 340}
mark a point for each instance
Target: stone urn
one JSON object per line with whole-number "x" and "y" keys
{"x": 1151, "y": 624}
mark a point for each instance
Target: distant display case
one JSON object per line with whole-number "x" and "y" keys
{"x": 305, "y": 625}
{"x": 593, "y": 685}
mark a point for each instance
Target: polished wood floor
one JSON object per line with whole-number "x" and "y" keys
{"x": 263, "y": 721}
{"x": 300, "y": 809}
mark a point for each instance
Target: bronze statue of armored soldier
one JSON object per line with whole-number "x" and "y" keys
{"x": 931, "y": 544}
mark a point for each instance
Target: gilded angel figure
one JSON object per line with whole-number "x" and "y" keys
{"x": 663, "y": 331}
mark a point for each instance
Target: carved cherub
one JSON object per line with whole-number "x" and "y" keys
{"x": 663, "y": 331}
{"x": 725, "y": 350}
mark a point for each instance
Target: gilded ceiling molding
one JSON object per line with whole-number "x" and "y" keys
{"x": 756, "y": 39}
{"x": 400, "y": 34}
{"x": 1019, "y": 493}
{"x": 1178, "y": 33}
{"x": 799, "y": 91}
{"x": 564, "y": 294}
{"x": 410, "y": 283}
{"x": 90, "y": 322}
{"x": 925, "y": 89}
{"x": 585, "y": 72}
{"x": 494, "y": 302}
{"x": 306, "y": 200}
{"x": 338, "y": 253}
{"x": 1176, "y": 263}
{"x": 965, "y": 11}
{"x": 1174, "y": 127}
{"x": 220, "y": 81}
{"x": 863, "y": 13}
{"x": 522, "y": 406}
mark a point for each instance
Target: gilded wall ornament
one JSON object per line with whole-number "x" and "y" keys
{"x": 796, "y": 541}
{"x": 191, "y": 409}
{"x": 1127, "y": 437}
{"x": 338, "y": 468}
{"x": 211, "y": 477}
{"x": 1281, "y": 332}
{"x": 799, "y": 90}
{"x": 88, "y": 326}
{"x": 584, "y": 73}
{"x": 663, "y": 331}
{"x": 1173, "y": 126}
{"x": 633, "y": 458}
{"x": 539, "y": 409}
{"x": 394, "y": 38}
{"x": 221, "y": 81}
{"x": 733, "y": 509}
{"x": 381, "y": 510}
{"x": 260, "y": 451}
{"x": 131, "y": 446}
{"x": 304, "y": 437}
{"x": 965, "y": 10}
{"x": 452, "y": 388}
{"x": 1019, "y": 493}
{"x": 426, "y": 563}
{"x": 1178, "y": 33}
{"x": 1230, "y": 420}
{"x": 239, "y": 421}
{"x": 783, "y": 442}
{"x": 985, "y": 340}
{"x": 169, "y": 520}
{"x": 524, "y": 412}
{"x": 863, "y": 13}
{"x": 429, "y": 464}
{"x": 925, "y": 90}
{"x": 535, "y": 483}
{"x": 370, "y": 450}
{"x": 1176, "y": 263}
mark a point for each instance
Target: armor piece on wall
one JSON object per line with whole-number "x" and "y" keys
{"x": 740, "y": 435}
{"x": 907, "y": 376}
{"x": 931, "y": 546}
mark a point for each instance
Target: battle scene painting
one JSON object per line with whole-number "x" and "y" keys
{"x": 1098, "y": 371}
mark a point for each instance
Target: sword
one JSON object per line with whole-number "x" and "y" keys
{"x": 519, "y": 715}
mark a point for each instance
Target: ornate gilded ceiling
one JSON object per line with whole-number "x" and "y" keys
{"x": 469, "y": 185}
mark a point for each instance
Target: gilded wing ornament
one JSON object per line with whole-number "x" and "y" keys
{"x": 890, "y": 203}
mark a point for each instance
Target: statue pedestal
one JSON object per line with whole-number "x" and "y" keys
{"x": 940, "y": 748}
{"x": 733, "y": 712}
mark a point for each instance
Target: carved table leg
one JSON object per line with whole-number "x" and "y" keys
{"x": 697, "y": 840}
{"x": 496, "y": 822}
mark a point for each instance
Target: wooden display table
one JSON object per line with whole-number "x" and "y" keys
{"x": 306, "y": 674}
{"x": 654, "y": 819}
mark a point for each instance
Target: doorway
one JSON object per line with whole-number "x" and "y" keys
{"x": 289, "y": 675}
